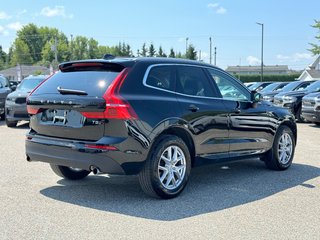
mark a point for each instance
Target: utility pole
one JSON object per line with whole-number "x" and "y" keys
{"x": 187, "y": 45}
{"x": 210, "y": 50}
{"x": 71, "y": 47}
{"x": 199, "y": 55}
{"x": 215, "y": 56}
{"x": 56, "y": 50}
{"x": 262, "y": 26}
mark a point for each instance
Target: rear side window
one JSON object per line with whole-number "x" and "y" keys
{"x": 95, "y": 83}
{"x": 193, "y": 81}
{"x": 161, "y": 77}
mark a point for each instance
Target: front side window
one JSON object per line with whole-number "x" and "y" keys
{"x": 228, "y": 87}
{"x": 193, "y": 81}
{"x": 3, "y": 82}
{"x": 161, "y": 77}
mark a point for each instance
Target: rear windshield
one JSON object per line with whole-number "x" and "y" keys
{"x": 94, "y": 83}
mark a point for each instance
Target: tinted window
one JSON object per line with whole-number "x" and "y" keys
{"x": 314, "y": 87}
{"x": 228, "y": 87}
{"x": 95, "y": 83}
{"x": 303, "y": 86}
{"x": 290, "y": 87}
{"x": 161, "y": 77}
{"x": 193, "y": 81}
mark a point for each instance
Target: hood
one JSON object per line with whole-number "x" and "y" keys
{"x": 293, "y": 94}
{"x": 18, "y": 93}
{"x": 312, "y": 95}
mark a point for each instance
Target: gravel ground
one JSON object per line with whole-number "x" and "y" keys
{"x": 241, "y": 200}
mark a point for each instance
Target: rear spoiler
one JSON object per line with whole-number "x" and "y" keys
{"x": 90, "y": 66}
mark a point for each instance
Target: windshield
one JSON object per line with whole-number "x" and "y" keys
{"x": 290, "y": 87}
{"x": 254, "y": 86}
{"x": 271, "y": 87}
{"x": 27, "y": 85}
{"x": 314, "y": 87}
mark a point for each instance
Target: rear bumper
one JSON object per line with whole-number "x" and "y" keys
{"x": 76, "y": 154}
{"x": 312, "y": 116}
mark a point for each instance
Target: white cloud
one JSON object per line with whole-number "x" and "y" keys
{"x": 56, "y": 11}
{"x": 3, "y": 31}
{"x": 296, "y": 57}
{"x": 4, "y": 15}
{"x": 217, "y": 8}
{"x": 15, "y": 26}
{"x": 253, "y": 60}
{"x": 213, "y": 5}
{"x": 221, "y": 10}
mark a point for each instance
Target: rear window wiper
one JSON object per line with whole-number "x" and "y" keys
{"x": 71, "y": 91}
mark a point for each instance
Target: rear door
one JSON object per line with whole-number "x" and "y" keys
{"x": 205, "y": 114}
{"x": 57, "y": 106}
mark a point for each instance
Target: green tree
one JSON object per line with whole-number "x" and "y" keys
{"x": 93, "y": 49}
{"x": 316, "y": 46}
{"x": 143, "y": 51}
{"x": 30, "y": 35}
{"x": 191, "y": 53}
{"x": 172, "y": 53}
{"x": 80, "y": 50}
{"x": 161, "y": 53}
{"x": 21, "y": 53}
{"x": 179, "y": 55}
{"x": 3, "y": 58}
{"x": 151, "y": 51}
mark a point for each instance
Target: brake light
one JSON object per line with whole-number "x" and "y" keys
{"x": 34, "y": 110}
{"x": 116, "y": 107}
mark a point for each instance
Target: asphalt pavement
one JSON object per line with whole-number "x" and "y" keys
{"x": 240, "y": 200}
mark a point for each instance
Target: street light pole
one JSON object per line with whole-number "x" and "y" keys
{"x": 187, "y": 45}
{"x": 210, "y": 49}
{"x": 262, "y": 26}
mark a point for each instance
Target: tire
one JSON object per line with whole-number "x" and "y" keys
{"x": 299, "y": 116}
{"x": 69, "y": 173}
{"x": 162, "y": 176}
{"x": 2, "y": 116}
{"x": 11, "y": 123}
{"x": 317, "y": 123}
{"x": 284, "y": 143}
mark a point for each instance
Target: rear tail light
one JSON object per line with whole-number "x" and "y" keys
{"x": 116, "y": 107}
{"x": 34, "y": 110}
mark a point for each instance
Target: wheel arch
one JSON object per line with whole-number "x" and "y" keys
{"x": 292, "y": 126}
{"x": 184, "y": 135}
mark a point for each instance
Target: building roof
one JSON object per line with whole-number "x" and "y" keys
{"x": 25, "y": 70}
{"x": 274, "y": 68}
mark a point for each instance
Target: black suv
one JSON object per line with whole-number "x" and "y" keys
{"x": 4, "y": 91}
{"x": 155, "y": 117}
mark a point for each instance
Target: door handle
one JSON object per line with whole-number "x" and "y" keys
{"x": 193, "y": 108}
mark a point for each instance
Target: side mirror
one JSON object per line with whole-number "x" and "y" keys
{"x": 255, "y": 98}
{"x": 13, "y": 87}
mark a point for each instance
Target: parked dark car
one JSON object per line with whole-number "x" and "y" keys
{"x": 4, "y": 91}
{"x": 156, "y": 117}
{"x": 292, "y": 86}
{"x": 259, "y": 86}
{"x": 311, "y": 107}
{"x": 293, "y": 100}
{"x": 273, "y": 87}
{"x": 15, "y": 106}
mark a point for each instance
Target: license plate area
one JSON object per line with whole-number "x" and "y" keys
{"x": 62, "y": 117}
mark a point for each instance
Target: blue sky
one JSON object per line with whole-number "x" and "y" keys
{"x": 230, "y": 23}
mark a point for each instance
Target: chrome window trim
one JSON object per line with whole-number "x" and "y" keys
{"x": 188, "y": 65}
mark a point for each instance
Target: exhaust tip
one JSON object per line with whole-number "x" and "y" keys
{"x": 95, "y": 170}
{"x": 28, "y": 159}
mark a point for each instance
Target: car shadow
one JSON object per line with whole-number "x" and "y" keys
{"x": 20, "y": 125}
{"x": 211, "y": 188}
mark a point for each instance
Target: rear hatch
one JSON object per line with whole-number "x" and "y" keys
{"x": 72, "y": 103}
